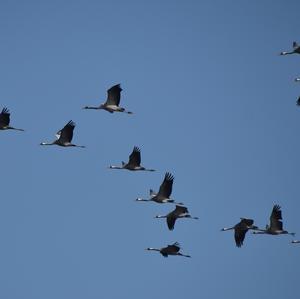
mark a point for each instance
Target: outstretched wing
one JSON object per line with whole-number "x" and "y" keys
{"x": 275, "y": 218}
{"x": 173, "y": 248}
{"x": 135, "y": 157}
{"x": 4, "y": 117}
{"x": 239, "y": 235}
{"x": 66, "y": 133}
{"x": 247, "y": 222}
{"x": 114, "y": 95}
{"x": 171, "y": 221}
{"x": 165, "y": 188}
{"x": 179, "y": 210}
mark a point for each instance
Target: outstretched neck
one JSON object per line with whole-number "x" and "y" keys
{"x": 142, "y": 199}
{"x": 161, "y": 216}
{"x": 46, "y": 143}
{"x": 226, "y": 228}
{"x": 153, "y": 249}
{"x": 115, "y": 167}
{"x": 92, "y": 107}
{"x": 16, "y": 129}
{"x": 286, "y": 53}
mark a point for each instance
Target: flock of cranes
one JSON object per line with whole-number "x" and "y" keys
{"x": 64, "y": 138}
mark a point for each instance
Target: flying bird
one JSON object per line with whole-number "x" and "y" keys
{"x": 172, "y": 249}
{"x": 296, "y": 50}
{"x": 64, "y": 136}
{"x": 275, "y": 227}
{"x": 113, "y": 100}
{"x": 179, "y": 212}
{"x": 240, "y": 230}
{"x": 165, "y": 190}
{"x": 134, "y": 162}
{"x": 5, "y": 120}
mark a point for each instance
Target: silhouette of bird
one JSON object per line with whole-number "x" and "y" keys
{"x": 64, "y": 136}
{"x": 276, "y": 226}
{"x": 5, "y": 120}
{"x": 134, "y": 162}
{"x": 240, "y": 230}
{"x": 296, "y": 50}
{"x": 165, "y": 190}
{"x": 179, "y": 212}
{"x": 113, "y": 100}
{"x": 295, "y": 241}
{"x": 172, "y": 249}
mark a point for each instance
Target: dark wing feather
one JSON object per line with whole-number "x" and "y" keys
{"x": 275, "y": 218}
{"x": 247, "y": 222}
{"x": 66, "y": 133}
{"x": 171, "y": 221}
{"x": 174, "y": 248}
{"x": 4, "y": 117}
{"x": 135, "y": 157}
{"x": 180, "y": 210}
{"x": 114, "y": 95}
{"x": 165, "y": 188}
{"x": 240, "y": 233}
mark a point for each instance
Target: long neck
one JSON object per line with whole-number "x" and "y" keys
{"x": 153, "y": 249}
{"x": 92, "y": 107}
{"x": 142, "y": 199}
{"x": 260, "y": 231}
{"x": 46, "y": 143}
{"x": 226, "y": 228}
{"x": 286, "y": 53}
{"x": 115, "y": 167}
{"x": 161, "y": 216}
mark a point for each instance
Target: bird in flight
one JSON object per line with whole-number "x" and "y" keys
{"x": 172, "y": 249}
{"x": 112, "y": 102}
{"x": 134, "y": 162}
{"x": 64, "y": 136}
{"x": 179, "y": 212}
{"x": 5, "y": 120}
{"x": 240, "y": 230}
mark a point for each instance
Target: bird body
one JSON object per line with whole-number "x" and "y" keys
{"x": 5, "y": 120}
{"x": 112, "y": 103}
{"x": 134, "y": 162}
{"x": 276, "y": 226}
{"x": 240, "y": 230}
{"x": 165, "y": 190}
{"x": 172, "y": 249}
{"x": 296, "y": 50}
{"x": 179, "y": 212}
{"x": 64, "y": 136}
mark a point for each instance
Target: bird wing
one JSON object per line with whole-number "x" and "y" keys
{"x": 180, "y": 210}
{"x": 135, "y": 157}
{"x": 165, "y": 188}
{"x": 114, "y": 95}
{"x": 66, "y": 133}
{"x": 275, "y": 218}
{"x": 4, "y": 117}
{"x": 171, "y": 221}
{"x": 247, "y": 222}
{"x": 173, "y": 248}
{"x": 240, "y": 233}
{"x": 295, "y": 45}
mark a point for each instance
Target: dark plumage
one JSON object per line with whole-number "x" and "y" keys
{"x": 134, "y": 162}
{"x": 240, "y": 230}
{"x": 164, "y": 193}
{"x": 179, "y": 212}
{"x": 5, "y": 120}
{"x": 64, "y": 136}
{"x": 172, "y": 249}
{"x": 112, "y": 102}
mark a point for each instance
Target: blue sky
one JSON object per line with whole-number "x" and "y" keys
{"x": 213, "y": 103}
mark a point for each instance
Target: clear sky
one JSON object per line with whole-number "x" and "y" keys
{"x": 213, "y": 103}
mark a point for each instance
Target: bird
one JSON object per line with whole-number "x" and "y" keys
{"x": 113, "y": 100}
{"x": 240, "y": 230}
{"x": 165, "y": 190}
{"x": 64, "y": 136}
{"x": 295, "y": 241}
{"x": 276, "y": 226}
{"x": 296, "y": 49}
{"x": 134, "y": 162}
{"x": 5, "y": 120}
{"x": 298, "y": 102}
{"x": 172, "y": 249}
{"x": 179, "y": 212}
